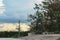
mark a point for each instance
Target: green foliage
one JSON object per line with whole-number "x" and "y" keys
{"x": 49, "y": 19}
{"x": 12, "y": 34}
{"x": 36, "y": 20}
{"x": 52, "y": 16}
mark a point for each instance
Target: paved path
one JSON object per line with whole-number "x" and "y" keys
{"x": 43, "y": 37}
{"x": 36, "y": 37}
{"x": 9, "y": 39}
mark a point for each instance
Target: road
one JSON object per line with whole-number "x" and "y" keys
{"x": 36, "y": 37}
{"x": 10, "y": 39}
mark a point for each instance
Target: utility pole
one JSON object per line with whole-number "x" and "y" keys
{"x": 19, "y": 29}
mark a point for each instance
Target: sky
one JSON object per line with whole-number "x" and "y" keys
{"x": 13, "y": 10}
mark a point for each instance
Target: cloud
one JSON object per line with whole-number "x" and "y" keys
{"x": 38, "y": 1}
{"x": 13, "y": 27}
{"x": 2, "y": 8}
{"x": 1, "y": 3}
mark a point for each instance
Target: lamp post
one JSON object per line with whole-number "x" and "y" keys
{"x": 19, "y": 29}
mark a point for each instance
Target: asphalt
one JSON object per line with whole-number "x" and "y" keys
{"x": 36, "y": 37}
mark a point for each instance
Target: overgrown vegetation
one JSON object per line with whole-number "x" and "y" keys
{"x": 46, "y": 18}
{"x": 12, "y": 34}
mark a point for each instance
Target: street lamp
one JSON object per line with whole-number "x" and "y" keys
{"x": 19, "y": 29}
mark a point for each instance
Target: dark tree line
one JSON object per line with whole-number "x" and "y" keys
{"x": 7, "y": 34}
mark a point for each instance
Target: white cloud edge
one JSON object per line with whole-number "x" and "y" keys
{"x": 2, "y": 7}
{"x": 13, "y": 27}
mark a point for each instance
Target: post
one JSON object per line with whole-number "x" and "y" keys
{"x": 19, "y": 29}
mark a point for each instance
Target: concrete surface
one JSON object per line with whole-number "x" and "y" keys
{"x": 36, "y": 37}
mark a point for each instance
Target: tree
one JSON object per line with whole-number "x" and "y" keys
{"x": 36, "y": 20}
{"x": 52, "y": 15}
{"x": 47, "y": 20}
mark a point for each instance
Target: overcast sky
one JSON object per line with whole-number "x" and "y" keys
{"x": 12, "y": 10}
